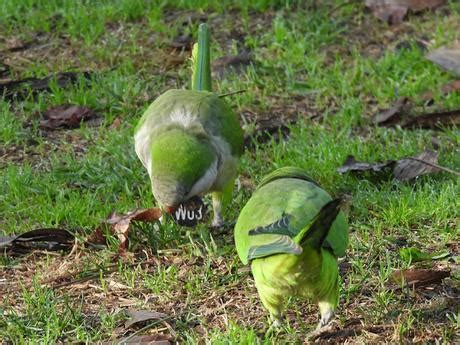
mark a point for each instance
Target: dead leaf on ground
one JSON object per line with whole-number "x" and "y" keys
{"x": 140, "y": 316}
{"x": 404, "y": 169}
{"x": 66, "y": 116}
{"x": 419, "y": 277}
{"x": 408, "y": 168}
{"x": 452, "y": 86}
{"x": 447, "y": 58}
{"x": 232, "y": 63}
{"x": 394, "y": 114}
{"x": 398, "y": 115}
{"x": 19, "y": 89}
{"x": 182, "y": 41}
{"x": 119, "y": 226}
{"x": 394, "y": 11}
{"x": 38, "y": 239}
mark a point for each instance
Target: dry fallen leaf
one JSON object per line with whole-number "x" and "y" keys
{"x": 43, "y": 239}
{"x": 398, "y": 115}
{"x": 394, "y": 11}
{"x": 404, "y": 169}
{"x": 139, "y": 316}
{"x": 66, "y": 116}
{"x": 19, "y": 89}
{"x": 119, "y": 226}
{"x": 351, "y": 164}
{"x": 408, "y": 168}
{"x": 450, "y": 87}
{"x": 232, "y": 63}
{"x": 419, "y": 277}
{"x": 394, "y": 114}
{"x": 447, "y": 58}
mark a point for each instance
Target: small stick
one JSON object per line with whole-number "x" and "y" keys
{"x": 232, "y": 93}
{"x": 435, "y": 166}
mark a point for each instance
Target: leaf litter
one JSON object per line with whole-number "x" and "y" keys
{"x": 119, "y": 226}
{"x": 394, "y": 11}
{"x": 447, "y": 57}
{"x": 419, "y": 277}
{"x": 398, "y": 115}
{"x": 20, "y": 89}
{"x": 39, "y": 239}
{"x": 66, "y": 116}
{"x": 404, "y": 169}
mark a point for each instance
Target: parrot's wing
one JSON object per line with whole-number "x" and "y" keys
{"x": 280, "y": 227}
{"x": 283, "y": 244}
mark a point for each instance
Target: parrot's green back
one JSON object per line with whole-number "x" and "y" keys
{"x": 286, "y": 195}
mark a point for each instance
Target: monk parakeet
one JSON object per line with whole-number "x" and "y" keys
{"x": 292, "y": 233}
{"x": 190, "y": 140}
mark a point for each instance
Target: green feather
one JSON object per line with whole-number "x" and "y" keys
{"x": 201, "y": 61}
{"x": 286, "y": 172}
{"x": 315, "y": 233}
{"x": 280, "y": 227}
{"x": 283, "y": 244}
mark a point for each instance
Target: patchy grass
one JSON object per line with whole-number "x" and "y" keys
{"x": 330, "y": 70}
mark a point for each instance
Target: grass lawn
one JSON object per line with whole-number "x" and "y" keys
{"x": 323, "y": 72}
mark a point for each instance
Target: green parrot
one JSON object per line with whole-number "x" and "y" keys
{"x": 190, "y": 141}
{"x": 292, "y": 233}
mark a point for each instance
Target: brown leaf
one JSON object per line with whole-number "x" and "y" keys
{"x": 182, "y": 42}
{"x": 433, "y": 120}
{"x": 42, "y": 239}
{"x": 394, "y": 114}
{"x": 394, "y": 11}
{"x": 351, "y": 164}
{"x": 66, "y": 116}
{"x": 447, "y": 58}
{"x": 407, "y": 169}
{"x": 398, "y": 114}
{"x": 419, "y": 277}
{"x": 404, "y": 169}
{"x": 119, "y": 226}
{"x": 19, "y": 89}
{"x": 116, "y": 123}
{"x": 451, "y": 86}
{"x": 231, "y": 63}
{"x": 139, "y": 316}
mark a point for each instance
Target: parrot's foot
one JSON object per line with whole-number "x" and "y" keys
{"x": 218, "y": 221}
{"x": 326, "y": 317}
{"x": 319, "y": 331}
{"x": 276, "y": 326}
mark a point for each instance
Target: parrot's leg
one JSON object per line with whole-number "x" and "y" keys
{"x": 220, "y": 200}
{"x": 327, "y": 310}
{"x": 218, "y": 220}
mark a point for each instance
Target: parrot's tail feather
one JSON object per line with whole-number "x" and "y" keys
{"x": 201, "y": 61}
{"x": 316, "y": 232}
